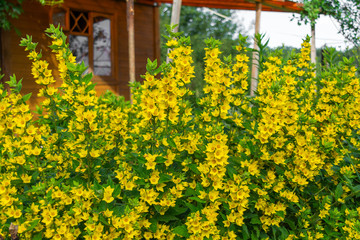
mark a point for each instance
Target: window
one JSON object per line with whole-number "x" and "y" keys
{"x": 102, "y": 46}
{"x": 89, "y": 35}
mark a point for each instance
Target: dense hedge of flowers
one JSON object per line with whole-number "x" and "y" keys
{"x": 282, "y": 165}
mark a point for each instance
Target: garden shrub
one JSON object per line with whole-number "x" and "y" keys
{"x": 281, "y": 165}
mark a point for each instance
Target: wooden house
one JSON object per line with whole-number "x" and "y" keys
{"x": 97, "y": 33}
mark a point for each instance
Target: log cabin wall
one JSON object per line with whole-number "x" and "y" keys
{"x": 33, "y": 21}
{"x": 1, "y": 57}
{"x": 36, "y": 19}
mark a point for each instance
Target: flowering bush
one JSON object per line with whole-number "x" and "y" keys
{"x": 281, "y": 165}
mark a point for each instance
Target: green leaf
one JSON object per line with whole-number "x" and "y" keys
{"x": 171, "y": 142}
{"x": 157, "y": 208}
{"x": 179, "y": 210}
{"x": 356, "y": 189}
{"x": 38, "y": 188}
{"x": 37, "y": 236}
{"x": 117, "y": 190}
{"x": 151, "y": 66}
{"x": 280, "y": 214}
{"x": 12, "y": 82}
{"x": 245, "y": 232}
{"x": 197, "y": 199}
{"x": 253, "y": 236}
{"x": 87, "y": 78}
{"x": 141, "y": 171}
{"x": 26, "y": 97}
{"x": 338, "y": 191}
{"x": 166, "y": 218}
{"x": 290, "y": 223}
{"x": 284, "y": 233}
{"x": 90, "y": 87}
{"x": 191, "y": 207}
{"x": 103, "y": 220}
{"x": 255, "y": 220}
{"x": 181, "y": 230}
{"x": 164, "y": 178}
{"x": 190, "y": 192}
{"x": 194, "y": 168}
{"x": 153, "y": 225}
{"x": 33, "y": 224}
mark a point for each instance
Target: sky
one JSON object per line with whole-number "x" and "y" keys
{"x": 280, "y": 30}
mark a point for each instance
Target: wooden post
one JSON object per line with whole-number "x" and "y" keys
{"x": 255, "y": 60}
{"x": 175, "y": 14}
{"x": 175, "y": 19}
{"x": 1, "y": 53}
{"x": 313, "y": 46}
{"x": 1, "y": 61}
{"x": 131, "y": 40}
{"x": 157, "y": 33}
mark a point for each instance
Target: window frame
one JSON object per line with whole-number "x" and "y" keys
{"x": 91, "y": 15}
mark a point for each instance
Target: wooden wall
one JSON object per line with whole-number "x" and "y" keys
{"x": 36, "y": 19}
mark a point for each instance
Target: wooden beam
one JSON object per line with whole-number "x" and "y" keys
{"x": 2, "y": 61}
{"x": 255, "y": 59}
{"x": 175, "y": 14}
{"x": 175, "y": 19}
{"x": 313, "y": 45}
{"x": 131, "y": 40}
{"x": 284, "y": 6}
{"x": 267, "y": 5}
{"x": 1, "y": 52}
{"x": 156, "y": 23}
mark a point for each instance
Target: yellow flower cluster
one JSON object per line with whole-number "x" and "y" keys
{"x": 281, "y": 165}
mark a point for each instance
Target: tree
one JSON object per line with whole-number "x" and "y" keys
{"x": 9, "y": 10}
{"x": 346, "y": 12}
{"x": 200, "y": 24}
{"x": 348, "y": 15}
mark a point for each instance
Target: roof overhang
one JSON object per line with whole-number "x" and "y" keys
{"x": 267, "y": 5}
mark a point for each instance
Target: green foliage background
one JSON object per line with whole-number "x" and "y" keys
{"x": 201, "y": 24}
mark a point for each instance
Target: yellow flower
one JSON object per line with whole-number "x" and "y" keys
{"x": 57, "y": 42}
{"x": 94, "y": 153}
{"x": 36, "y": 151}
{"x": 33, "y": 55}
{"x": 154, "y": 179}
{"x": 108, "y": 194}
{"x": 20, "y": 160}
{"x": 213, "y": 195}
{"x": 90, "y": 226}
{"x": 172, "y": 43}
{"x": 51, "y": 90}
{"x": 26, "y": 178}
{"x": 148, "y": 235}
{"x": 108, "y": 213}
{"x": 53, "y": 212}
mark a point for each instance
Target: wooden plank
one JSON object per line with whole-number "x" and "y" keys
{"x": 101, "y": 89}
{"x": 144, "y": 37}
{"x": 33, "y": 22}
{"x": 313, "y": 45}
{"x": 131, "y": 42}
{"x": 284, "y": 6}
{"x": 268, "y": 5}
{"x": 1, "y": 53}
{"x": 100, "y": 6}
{"x": 156, "y": 22}
{"x": 245, "y": 6}
{"x": 175, "y": 14}
{"x": 255, "y": 60}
